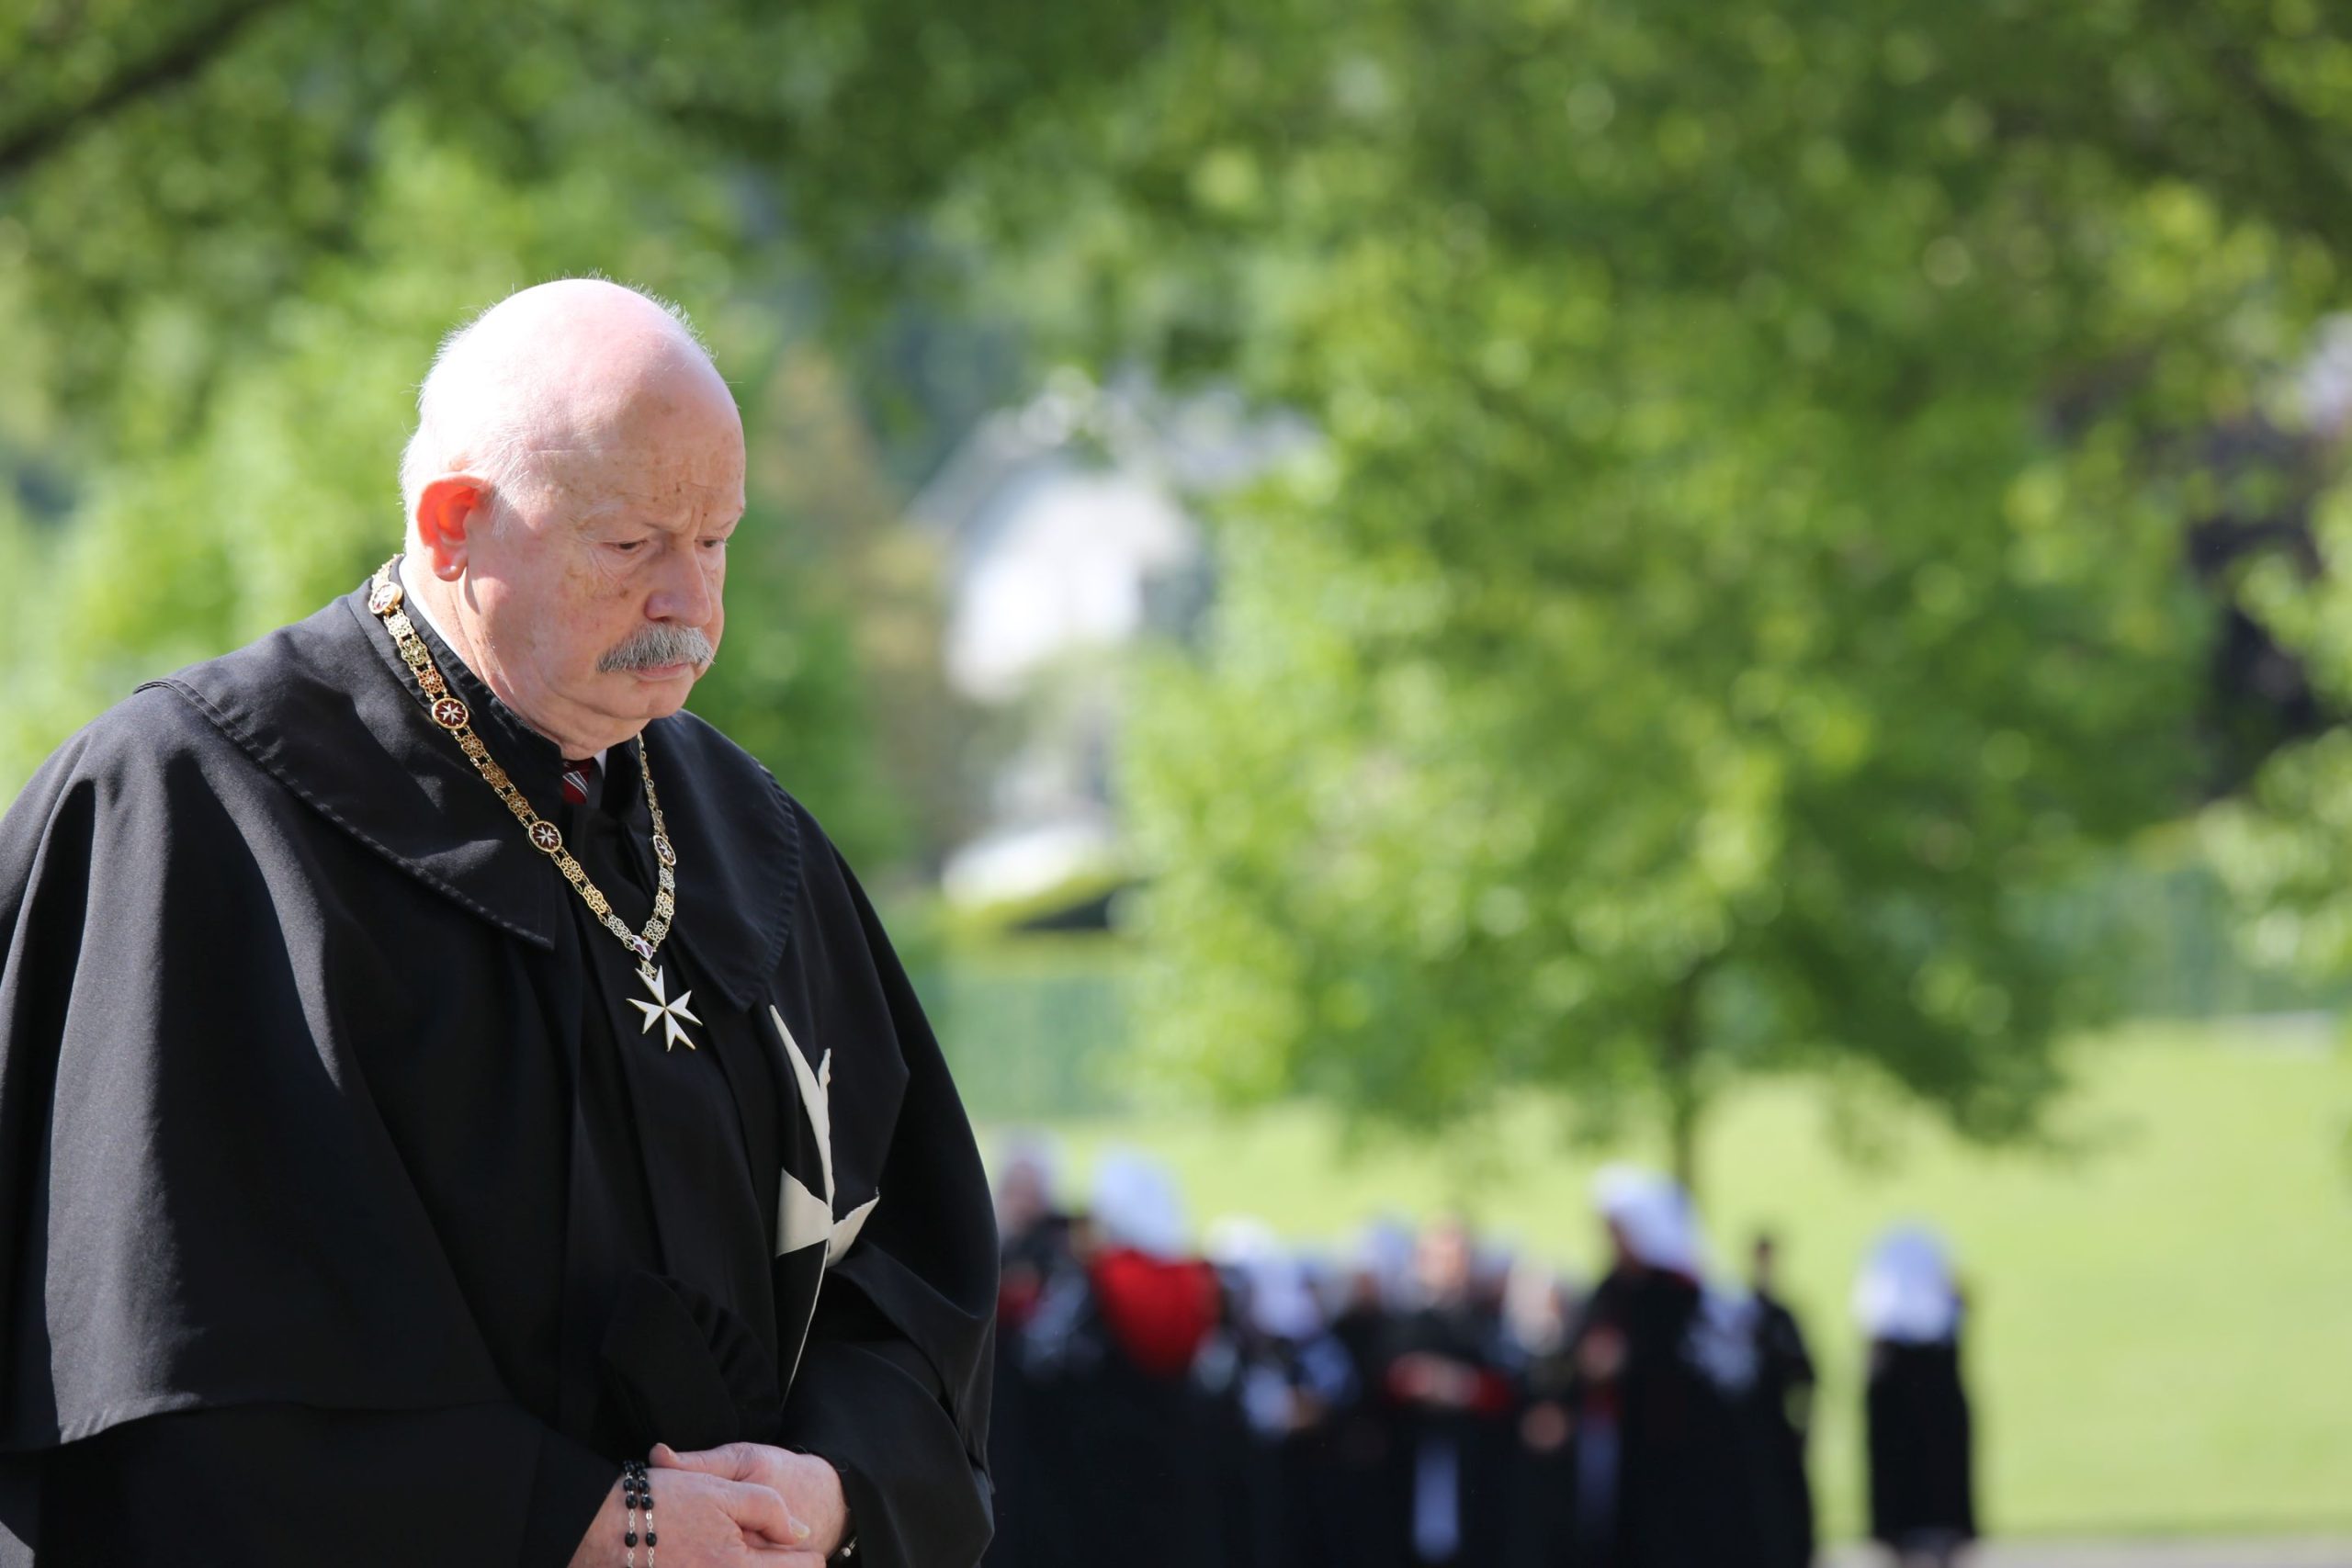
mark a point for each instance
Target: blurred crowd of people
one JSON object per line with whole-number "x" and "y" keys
{"x": 1426, "y": 1401}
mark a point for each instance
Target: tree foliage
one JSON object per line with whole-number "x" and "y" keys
{"x": 1741, "y": 581}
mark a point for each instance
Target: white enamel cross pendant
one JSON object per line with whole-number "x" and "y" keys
{"x": 661, "y": 1007}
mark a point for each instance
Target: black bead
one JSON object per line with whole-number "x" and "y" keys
{"x": 649, "y": 1539}
{"x": 629, "y": 1537}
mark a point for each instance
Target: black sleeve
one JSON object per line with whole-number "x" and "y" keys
{"x": 865, "y": 1401}
{"x": 285, "y": 1486}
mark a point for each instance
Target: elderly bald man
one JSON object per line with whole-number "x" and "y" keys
{"x": 455, "y": 1107}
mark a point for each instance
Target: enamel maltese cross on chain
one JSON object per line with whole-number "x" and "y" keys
{"x": 661, "y": 1007}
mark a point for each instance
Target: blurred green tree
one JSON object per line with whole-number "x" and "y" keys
{"x": 1740, "y": 586}
{"x": 2284, "y": 845}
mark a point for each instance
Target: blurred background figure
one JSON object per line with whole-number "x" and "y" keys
{"x": 1784, "y": 1384}
{"x": 1125, "y": 1436}
{"x": 1444, "y": 1379}
{"x": 1662, "y": 1401}
{"x": 1369, "y": 1460}
{"x": 1035, "y": 1235}
{"x": 1291, "y": 1382}
{"x": 1540, "y": 1308}
{"x": 1922, "y": 1486}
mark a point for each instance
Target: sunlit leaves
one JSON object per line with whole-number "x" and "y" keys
{"x": 1746, "y": 552}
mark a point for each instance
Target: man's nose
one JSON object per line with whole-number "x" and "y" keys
{"x": 684, "y": 594}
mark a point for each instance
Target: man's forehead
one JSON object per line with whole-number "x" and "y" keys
{"x": 674, "y": 496}
{"x": 631, "y": 455}
{"x": 649, "y": 465}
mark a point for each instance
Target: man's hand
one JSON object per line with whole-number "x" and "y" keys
{"x": 810, "y": 1488}
{"x": 704, "y": 1521}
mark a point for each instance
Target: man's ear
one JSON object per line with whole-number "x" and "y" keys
{"x": 447, "y": 511}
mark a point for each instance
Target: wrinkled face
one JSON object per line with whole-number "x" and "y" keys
{"x": 598, "y": 597}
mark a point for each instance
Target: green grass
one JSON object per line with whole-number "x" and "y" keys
{"x": 2162, "y": 1339}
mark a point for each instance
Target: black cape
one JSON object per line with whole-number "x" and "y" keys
{"x": 341, "y": 1196}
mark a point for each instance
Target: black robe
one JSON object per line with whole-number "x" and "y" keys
{"x": 1921, "y": 1444}
{"x": 1463, "y": 1455}
{"x": 1685, "y": 1491}
{"x": 1784, "y": 1384}
{"x": 1130, "y": 1453}
{"x": 343, "y": 1200}
{"x": 1368, "y": 1515}
{"x": 1028, "y": 1520}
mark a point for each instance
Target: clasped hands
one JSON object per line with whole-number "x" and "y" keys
{"x": 737, "y": 1503}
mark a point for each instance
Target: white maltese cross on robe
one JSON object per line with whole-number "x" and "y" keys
{"x": 804, "y": 1218}
{"x": 662, "y": 1007}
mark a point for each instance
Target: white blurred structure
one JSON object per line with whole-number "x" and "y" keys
{"x": 1068, "y": 539}
{"x": 1064, "y": 559}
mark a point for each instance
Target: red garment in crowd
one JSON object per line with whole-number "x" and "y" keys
{"x": 1018, "y": 1292}
{"x": 1158, "y": 1310}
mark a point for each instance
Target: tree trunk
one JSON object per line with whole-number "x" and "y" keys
{"x": 1679, "y": 1073}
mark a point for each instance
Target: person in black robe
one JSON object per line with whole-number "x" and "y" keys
{"x": 1539, "y": 1308}
{"x": 1363, "y": 1507}
{"x": 1663, "y": 1459}
{"x": 1919, "y": 1437}
{"x": 1294, "y": 1380}
{"x": 1036, "y": 1251}
{"x": 1784, "y": 1385}
{"x": 364, "y": 1199}
{"x": 1444, "y": 1376}
{"x": 1131, "y": 1430}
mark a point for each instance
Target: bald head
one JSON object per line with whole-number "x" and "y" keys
{"x": 576, "y": 472}
{"x": 550, "y": 374}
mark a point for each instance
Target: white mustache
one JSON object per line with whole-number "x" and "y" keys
{"x": 659, "y": 644}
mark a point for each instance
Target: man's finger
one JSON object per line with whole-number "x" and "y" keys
{"x": 761, "y": 1510}
{"x": 728, "y": 1461}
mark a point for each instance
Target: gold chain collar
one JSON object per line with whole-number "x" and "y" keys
{"x": 449, "y": 711}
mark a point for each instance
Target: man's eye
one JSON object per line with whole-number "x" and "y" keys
{"x": 628, "y": 547}
{"x": 714, "y": 544}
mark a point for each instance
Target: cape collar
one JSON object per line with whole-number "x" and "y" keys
{"x": 327, "y": 708}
